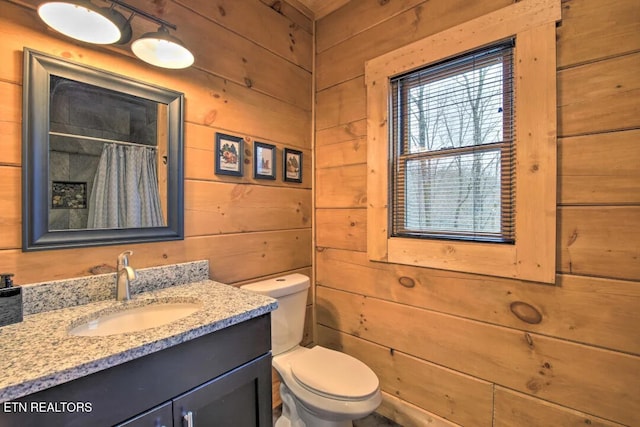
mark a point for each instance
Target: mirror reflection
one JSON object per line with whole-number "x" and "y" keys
{"x": 105, "y": 158}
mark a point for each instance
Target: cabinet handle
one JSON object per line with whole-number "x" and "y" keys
{"x": 188, "y": 417}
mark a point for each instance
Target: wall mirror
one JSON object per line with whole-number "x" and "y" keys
{"x": 102, "y": 157}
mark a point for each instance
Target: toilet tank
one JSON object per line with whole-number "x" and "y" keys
{"x": 287, "y": 321}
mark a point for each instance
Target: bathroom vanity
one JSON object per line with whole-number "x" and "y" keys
{"x": 209, "y": 368}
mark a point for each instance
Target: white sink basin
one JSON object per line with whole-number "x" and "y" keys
{"x": 135, "y": 318}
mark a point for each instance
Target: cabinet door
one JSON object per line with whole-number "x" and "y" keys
{"x": 238, "y": 398}
{"x": 160, "y": 416}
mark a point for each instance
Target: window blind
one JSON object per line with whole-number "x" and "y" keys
{"x": 453, "y": 152}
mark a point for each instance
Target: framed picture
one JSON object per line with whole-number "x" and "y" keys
{"x": 229, "y": 157}
{"x": 292, "y": 165}
{"x": 68, "y": 195}
{"x": 264, "y": 165}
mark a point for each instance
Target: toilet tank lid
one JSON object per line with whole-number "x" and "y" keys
{"x": 279, "y": 286}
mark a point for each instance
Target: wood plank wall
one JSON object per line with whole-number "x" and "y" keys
{"x": 460, "y": 349}
{"x": 252, "y": 78}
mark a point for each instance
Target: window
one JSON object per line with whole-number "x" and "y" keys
{"x": 452, "y": 148}
{"x": 461, "y": 147}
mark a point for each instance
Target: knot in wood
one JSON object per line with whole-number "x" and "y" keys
{"x": 526, "y": 312}
{"x": 407, "y": 282}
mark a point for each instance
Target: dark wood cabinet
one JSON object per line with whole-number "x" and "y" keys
{"x": 162, "y": 416}
{"x": 231, "y": 400}
{"x": 221, "y": 379}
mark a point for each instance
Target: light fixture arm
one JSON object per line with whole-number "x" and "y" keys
{"x": 139, "y": 12}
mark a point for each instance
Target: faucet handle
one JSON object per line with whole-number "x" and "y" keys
{"x": 123, "y": 258}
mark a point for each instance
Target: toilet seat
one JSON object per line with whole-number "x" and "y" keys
{"x": 324, "y": 406}
{"x": 333, "y": 374}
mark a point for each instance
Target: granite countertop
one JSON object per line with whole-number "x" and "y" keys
{"x": 38, "y": 353}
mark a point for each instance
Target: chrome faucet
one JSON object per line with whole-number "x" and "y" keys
{"x": 123, "y": 275}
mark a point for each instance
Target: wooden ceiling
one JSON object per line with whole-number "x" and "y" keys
{"x": 319, "y": 8}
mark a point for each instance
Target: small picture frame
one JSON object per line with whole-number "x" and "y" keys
{"x": 264, "y": 165}
{"x": 292, "y": 165}
{"x": 68, "y": 195}
{"x": 229, "y": 154}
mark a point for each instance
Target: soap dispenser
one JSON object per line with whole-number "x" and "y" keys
{"x": 10, "y": 300}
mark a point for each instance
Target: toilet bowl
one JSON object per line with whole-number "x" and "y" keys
{"x": 328, "y": 388}
{"x": 319, "y": 387}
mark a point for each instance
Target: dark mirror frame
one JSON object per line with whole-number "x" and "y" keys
{"x": 38, "y": 67}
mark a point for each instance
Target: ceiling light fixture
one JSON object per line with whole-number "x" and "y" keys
{"x": 82, "y": 20}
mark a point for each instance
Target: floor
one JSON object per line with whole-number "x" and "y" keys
{"x": 373, "y": 420}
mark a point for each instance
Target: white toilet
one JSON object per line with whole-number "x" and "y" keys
{"x": 319, "y": 387}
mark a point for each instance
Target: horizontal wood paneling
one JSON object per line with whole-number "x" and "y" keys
{"x": 11, "y": 214}
{"x": 343, "y": 187}
{"x": 341, "y": 104}
{"x": 593, "y": 30}
{"x": 342, "y": 153}
{"x": 345, "y": 60}
{"x": 338, "y": 27}
{"x": 600, "y": 241}
{"x": 346, "y": 132}
{"x": 297, "y": 17}
{"x": 232, "y": 257}
{"x": 221, "y": 208}
{"x": 462, "y": 399}
{"x": 531, "y": 363}
{"x": 341, "y": 228}
{"x": 211, "y": 100}
{"x": 238, "y": 59}
{"x": 565, "y": 311}
{"x": 11, "y": 107}
{"x": 200, "y": 158}
{"x": 408, "y": 415}
{"x": 266, "y": 226}
{"x": 462, "y": 321}
{"x": 599, "y": 169}
{"x": 514, "y": 408}
{"x": 584, "y": 91}
{"x": 11, "y": 137}
{"x": 262, "y": 25}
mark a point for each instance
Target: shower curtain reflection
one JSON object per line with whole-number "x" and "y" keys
{"x": 125, "y": 189}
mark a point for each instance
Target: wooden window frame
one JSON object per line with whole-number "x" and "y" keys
{"x": 532, "y": 257}
{"x": 505, "y": 147}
